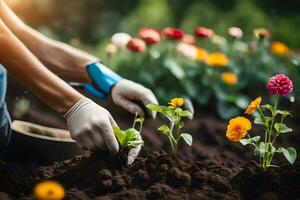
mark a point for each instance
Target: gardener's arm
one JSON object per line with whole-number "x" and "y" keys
{"x": 65, "y": 61}
{"x": 71, "y": 65}
{"x": 89, "y": 124}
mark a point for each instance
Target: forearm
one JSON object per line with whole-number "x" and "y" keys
{"x": 21, "y": 63}
{"x": 65, "y": 61}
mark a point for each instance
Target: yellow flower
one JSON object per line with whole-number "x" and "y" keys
{"x": 279, "y": 48}
{"x": 262, "y": 33}
{"x": 238, "y": 128}
{"x": 176, "y": 102}
{"x": 253, "y": 106}
{"x": 229, "y": 78}
{"x": 217, "y": 59}
{"x": 49, "y": 190}
{"x": 201, "y": 54}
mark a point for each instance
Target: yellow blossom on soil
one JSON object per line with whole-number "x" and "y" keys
{"x": 279, "y": 48}
{"x": 229, "y": 78}
{"x": 201, "y": 54}
{"x": 238, "y": 128}
{"x": 176, "y": 102}
{"x": 217, "y": 59}
{"x": 49, "y": 190}
{"x": 253, "y": 106}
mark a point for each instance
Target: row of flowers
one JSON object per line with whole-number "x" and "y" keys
{"x": 202, "y": 66}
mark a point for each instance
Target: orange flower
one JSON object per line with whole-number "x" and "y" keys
{"x": 238, "y": 128}
{"x": 279, "y": 49}
{"x": 176, "y": 102}
{"x": 49, "y": 190}
{"x": 229, "y": 78}
{"x": 201, "y": 54}
{"x": 217, "y": 59}
{"x": 253, "y": 106}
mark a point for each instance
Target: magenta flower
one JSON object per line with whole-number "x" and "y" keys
{"x": 280, "y": 84}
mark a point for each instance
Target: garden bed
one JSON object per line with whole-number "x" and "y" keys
{"x": 212, "y": 169}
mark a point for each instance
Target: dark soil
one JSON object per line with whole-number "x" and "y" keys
{"x": 213, "y": 168}
{"x": 158, "y": 176}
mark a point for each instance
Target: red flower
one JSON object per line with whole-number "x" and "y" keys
{"x": 149, "y": 35}
{"x": 188, "y": 39}
{"x": 280, "y": 85}
{"x": 172, "y": 33}
{"x": 203, "y": 32}
{"x": 136, "y": 45}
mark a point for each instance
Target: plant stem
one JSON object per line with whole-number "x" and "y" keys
{"x": 134, "y": 121}
{"x": 268, "y": 144}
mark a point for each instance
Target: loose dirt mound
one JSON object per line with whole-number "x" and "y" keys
{"x": 159, "y": 176}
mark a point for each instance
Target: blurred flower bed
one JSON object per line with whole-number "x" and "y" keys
{"x": 219, "y": 71}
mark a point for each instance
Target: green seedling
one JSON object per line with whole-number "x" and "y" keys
{"x": 131, "y": 137}
{"x": 175, "y": 114}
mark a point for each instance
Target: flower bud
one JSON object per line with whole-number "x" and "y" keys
{"x": 172, "y": 33}
{"x": 120, "y": 39}
{"x": 136, "y": 45}
{"x": 149, "y": 35}
{"x": 235, "y": 32}
{"x": 203, "y": 32}
{"x": 262, "y": 33}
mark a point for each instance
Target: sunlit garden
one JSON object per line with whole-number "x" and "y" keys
{"x": 226, "y": 76}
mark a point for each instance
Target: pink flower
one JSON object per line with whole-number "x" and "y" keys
{"x": 280, "y": 85}
{"x": 136, "y": 45}
{"x": 203, "y": 32}
{"x": 172, "y": 33}
{"x": 149, "y": 35}
{"x": 188, "y": 39}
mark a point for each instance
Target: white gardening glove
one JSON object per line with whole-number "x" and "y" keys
{"x": 129, "y": 94}
{"x": 91, "y": 125}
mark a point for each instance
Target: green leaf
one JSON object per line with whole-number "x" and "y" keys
{"x": 252, "y": 141}
{"x": 187, "y": 138}
{"x": 282, "y": 128}
{"x": 119, "y": 134}
{"x": 132, "y": 138}
{"x": 185, "y": 113}
{"x": 267, "y": 106}
{"x": 262, "y": 149}
{"x": 154, "y": 107}
{"x": 283, "y": 112}
{"x": 290, "y": 154}
{"x": 164, "y": 129}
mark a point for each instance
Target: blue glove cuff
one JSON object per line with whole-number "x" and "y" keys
{"x": 103, "y": 78}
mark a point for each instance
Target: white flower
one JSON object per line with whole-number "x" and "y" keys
{"x": 235, "y": 32}
{"x": 187, "y": 50}
{"x": 120, "y": 39}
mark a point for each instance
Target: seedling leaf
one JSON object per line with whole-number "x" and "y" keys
{"x": 187, "y": 138}
{"x": 290, "y": 154}
{"x": 282, "y": 128}
{"x": 119, "y": 134}
{"x": 155, "y": 107}
{"x": 164, "y": 129}
{"x": 252, "y": 141}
